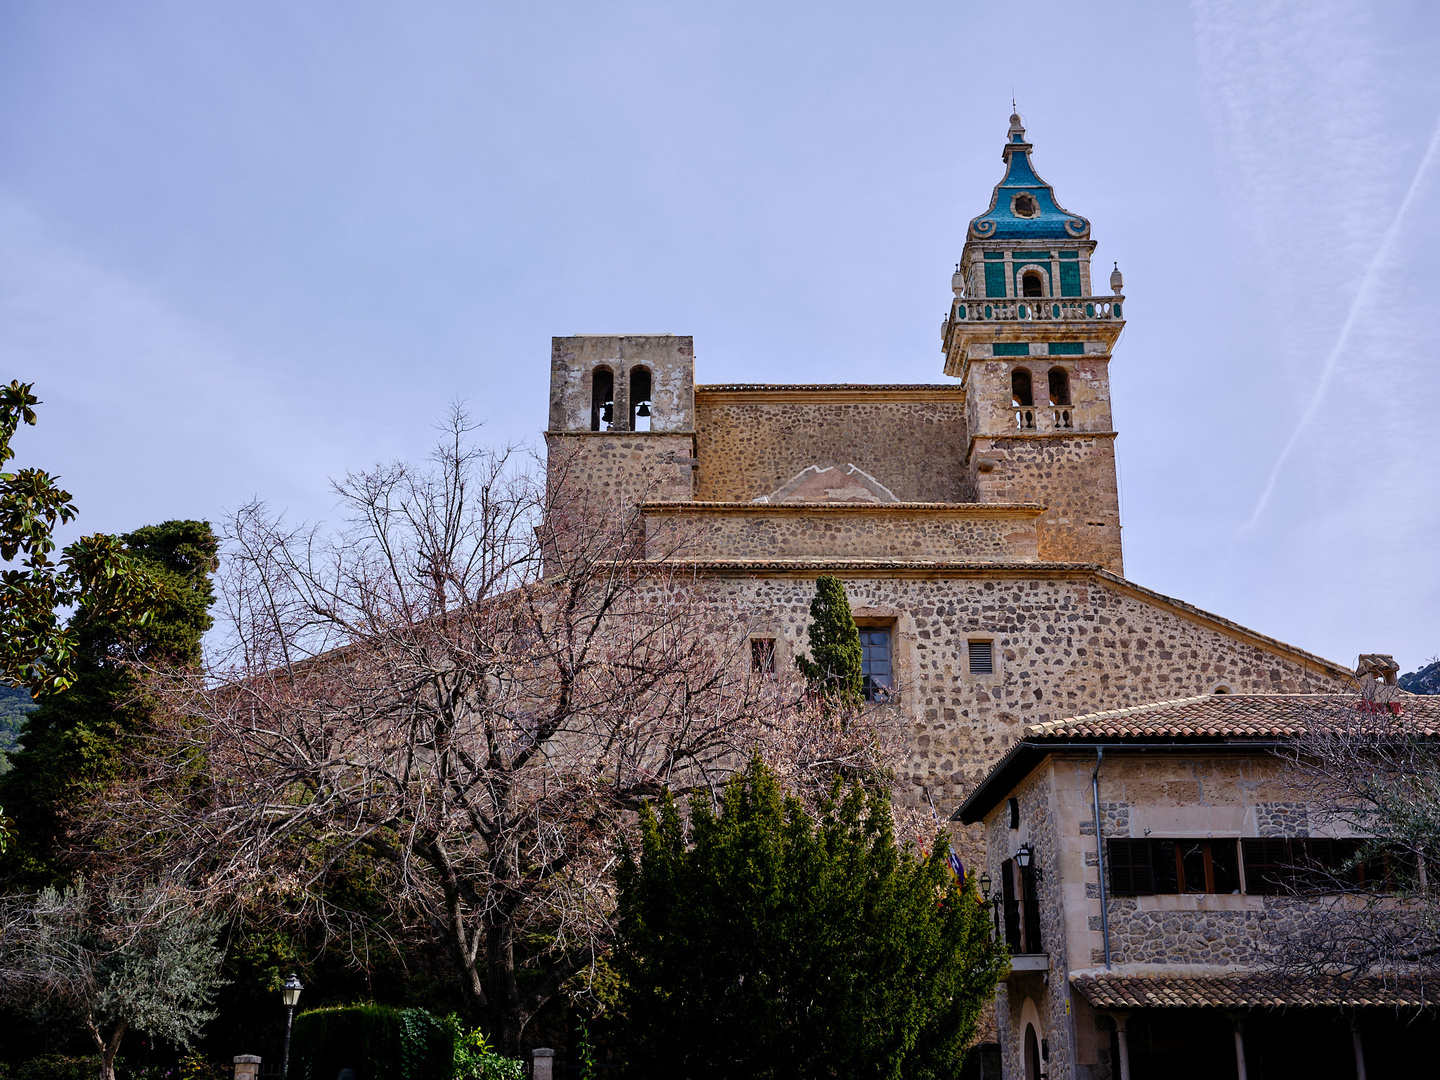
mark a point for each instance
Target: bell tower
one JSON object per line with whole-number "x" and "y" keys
{"x": 1031, "y": 343}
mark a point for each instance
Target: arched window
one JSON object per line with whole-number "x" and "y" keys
{"x": 1032, "y": 283}
{"x": 1059, "y": 386}
{"x": 1020, "y": 390}
{"x": 640, "y": 403}
{"x": 602, "y": 400}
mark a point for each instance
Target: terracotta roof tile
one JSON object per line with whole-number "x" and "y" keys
{"x": 1235, "y": 716}
{"x": 1249, "y": 991}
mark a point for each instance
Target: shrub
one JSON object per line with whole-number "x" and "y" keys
{"x": 383, "y": 1043}
{"x": 378, "y": 1042}
{"x": 55, "y": 1067}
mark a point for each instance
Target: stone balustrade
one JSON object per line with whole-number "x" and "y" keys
{"x": 1037, "y": 309}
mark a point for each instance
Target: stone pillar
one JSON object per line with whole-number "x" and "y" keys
{"x": 247, "y": 1067}
{"x": 1123, "y": 1040}
{"x": 1237, "y": 1021}
{"x": 1359, "y": 1047}
{"x": 544, "y": 1064}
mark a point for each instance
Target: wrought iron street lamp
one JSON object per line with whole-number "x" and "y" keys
{"x": 1024, "y": 856}
{"x": 985, "y": 885}
{"x": 290, "y": 991}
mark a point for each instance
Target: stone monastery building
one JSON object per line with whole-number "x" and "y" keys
{"x": 975, "y": 521}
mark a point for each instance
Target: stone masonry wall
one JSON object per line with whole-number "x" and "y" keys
{"x": 1065, "y": 644}
{"x": 878, "y": 531}
{"x": 749, "y": 445}
{"x": 1073, "y": 477}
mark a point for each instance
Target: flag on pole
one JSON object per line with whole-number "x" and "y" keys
{"x": 952, "y": 860}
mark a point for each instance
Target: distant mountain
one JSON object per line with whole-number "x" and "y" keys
{"x": 15, "y": 704}
{"x": 1424, "y": 681}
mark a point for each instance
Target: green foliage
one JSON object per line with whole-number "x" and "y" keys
{"x": 55, "y": 1067}
{"x": 95, "y": 574}
{"x": 378, "y": 1042}
{"x": 15, "y": 705}
{"x": 120, "y": 962}
{"x": 833, "y": 666}
{"x": 777, "y": 944}
{"x": 74, "y": 742}
{"x": 475, "y": 1059}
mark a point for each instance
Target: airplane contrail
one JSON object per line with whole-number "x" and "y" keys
{"x": 1362, "y": 296}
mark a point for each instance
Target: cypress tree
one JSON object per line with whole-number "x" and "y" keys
{"x": 833, "y": 666}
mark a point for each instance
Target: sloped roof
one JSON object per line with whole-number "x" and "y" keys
{"x": 1233, "y": 716}
{"x": 1249, "y": 991}
{"x": 1219, "y": 722}
{"x": 1051, "y": 221}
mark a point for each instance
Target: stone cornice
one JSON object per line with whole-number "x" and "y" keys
{"x": 1038, "y": 436}
{"x": 826, "y": 393}
{"x": 930, "y": 509}
{"x": 617, "y": 434}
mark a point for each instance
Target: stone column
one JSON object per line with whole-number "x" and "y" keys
{"x": 1359, "y": 1047}
{"x": 1237, "y": 1021}
{"x": 247, "y": 1067}
{"x": 1123, "y": 1039}
{"x": 544, "y": 1064}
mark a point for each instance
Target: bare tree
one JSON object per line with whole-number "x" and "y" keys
{"x": 470, "y": 694}
{"x": 1367, "y": 766}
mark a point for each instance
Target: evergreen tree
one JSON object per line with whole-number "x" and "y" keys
{"x": 833, "y": 666}
{"x": 73, "y": 743}
{"x": 777, "y": 944}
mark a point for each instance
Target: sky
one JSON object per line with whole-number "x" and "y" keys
{"x": 246, "y": 248}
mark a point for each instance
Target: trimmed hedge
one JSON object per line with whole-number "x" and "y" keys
{"x": 378, "y": 1042}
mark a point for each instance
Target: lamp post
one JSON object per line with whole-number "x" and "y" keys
{"x": 290, "y": 991}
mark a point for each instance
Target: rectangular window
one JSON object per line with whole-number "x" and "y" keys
{"x": 762, "y": 655}
{"x": 1275, "y": 867}
{"x": 995, "y": 279}
{"x": 982, "y": 658}
{"x": 1164, "y": 867}
{"x": 1069, "y": 279}
{"x": 875, "y": 664}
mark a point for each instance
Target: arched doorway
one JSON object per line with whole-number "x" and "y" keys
{"x": 1032, "y": 1054}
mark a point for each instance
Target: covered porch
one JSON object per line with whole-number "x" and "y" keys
{"x": 1260, "y": 1027}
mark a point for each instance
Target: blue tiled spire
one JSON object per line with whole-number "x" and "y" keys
{"x": 1023, "y": 206}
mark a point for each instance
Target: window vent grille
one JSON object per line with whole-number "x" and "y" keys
{"x": 982, "y": 658}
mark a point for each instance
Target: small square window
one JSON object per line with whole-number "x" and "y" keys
{"x": 875, "y": 663}
{"x": 982, "y": 658}
{"x": 762, "y": 655}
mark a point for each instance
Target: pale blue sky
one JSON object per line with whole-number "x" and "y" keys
{"x": 245, "y": 247}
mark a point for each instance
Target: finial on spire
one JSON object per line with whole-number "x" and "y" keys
{"x": 1117, "y": 280}
{"x": 1016, "y": 134}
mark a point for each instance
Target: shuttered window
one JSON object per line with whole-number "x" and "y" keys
{"x": 1152, "y": 867}
{"x": 982, "y": 658}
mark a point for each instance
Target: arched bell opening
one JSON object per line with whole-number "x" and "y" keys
{"x": 1059, "y": 386}
{"x": 602, "y": 399}
{"x": 1021, "y": 393}
{"x": 641, "y": 404}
